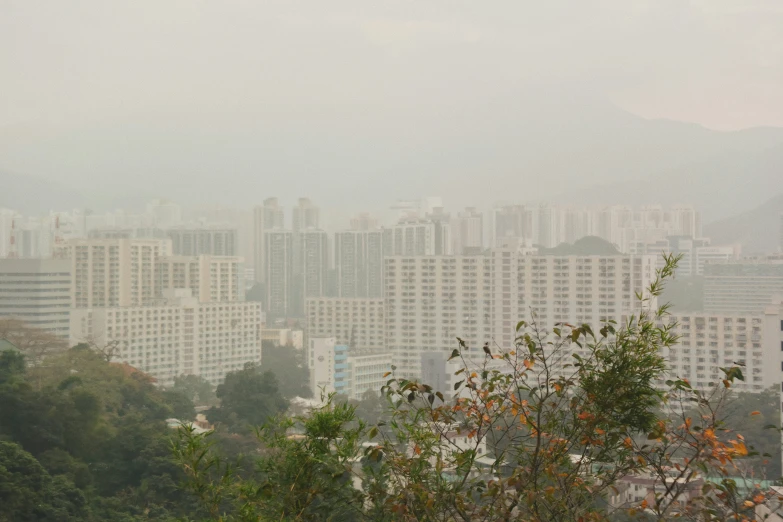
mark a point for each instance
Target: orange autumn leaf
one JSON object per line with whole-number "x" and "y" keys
{"x": 528, "y": 363}
{"x": 755, "y": 413}
{"x": 749, "y": 503}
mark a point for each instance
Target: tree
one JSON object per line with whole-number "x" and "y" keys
{"x": 547, "y": 429}
{"x": 97, "y": 436}
{"x": 290, "y": 367}
{"x": 196, "y": 388}
{"x": 34, "y": 343}
{"x": 248, "y": 397}
{"x": 29, "y": 493}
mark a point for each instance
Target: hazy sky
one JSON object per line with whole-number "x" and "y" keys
{"x": 82, "y": 76}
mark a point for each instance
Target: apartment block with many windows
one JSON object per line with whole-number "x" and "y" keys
{"x": 351, "y": 321}
{"x": 38, "y": 292}
{"x": 430, "y": 301}
{"x": 184, "y": 336}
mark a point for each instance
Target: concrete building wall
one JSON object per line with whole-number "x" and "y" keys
{"x": 38, "y": 292}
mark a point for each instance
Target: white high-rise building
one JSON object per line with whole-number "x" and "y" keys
{"x": 358, "y": 263}
{"x": 513, "y": 222}
{"x": 708, "y": 342}
{"x": 306, "y": 215}
{"x": 211, "y": 279}
{"x": 355, "y": 322}
{"x": 188, "y": 241}
{"x": 180, "y": 337}
{"x": 115, "y": 272}
{"x": 432, "y": 300}
{"x": 38, "y": 292}
{"x": 269, "y": 216}
{"x": 581, "y": 289}
{"x": 279, "y": 266}
{"x": 311, "y": 268}
{"x": 417, "y": 237}
{"x": 745, "y": 286}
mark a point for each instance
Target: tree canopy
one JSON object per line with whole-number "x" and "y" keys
{"x": 91, "y": 439}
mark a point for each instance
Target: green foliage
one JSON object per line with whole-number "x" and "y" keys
{"x": 301, "y": 477}
{"x": 196, "y": 388}
{"x": 29, "y": 493}
{"x": 290, "y": 367}
{"x": 94, "y": 433}
{"x": 248, "y": 398}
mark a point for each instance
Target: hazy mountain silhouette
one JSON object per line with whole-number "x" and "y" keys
{"x": 521, "y": 146}
{"x": 33, "y": 195}
{"x": 758, "y": 230}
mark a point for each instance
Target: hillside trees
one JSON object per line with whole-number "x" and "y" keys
{"x": 94, "y": 435}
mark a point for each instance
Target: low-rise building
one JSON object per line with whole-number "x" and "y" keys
{"x": 369, "y": 371}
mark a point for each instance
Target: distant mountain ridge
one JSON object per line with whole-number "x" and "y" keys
{"x": 33, "y": 195}
{"x": 537, "y": 146}
{"x": 757, "y": 230}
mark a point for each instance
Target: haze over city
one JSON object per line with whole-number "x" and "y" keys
{"x": 435, "y": 260}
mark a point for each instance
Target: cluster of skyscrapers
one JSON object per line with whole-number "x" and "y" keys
{"x": 194, "y": 291}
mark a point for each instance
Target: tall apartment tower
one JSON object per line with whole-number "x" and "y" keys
{"x": 311, "y": 267}
{"x": 688, "y": 220}
{"x": 364, "y": 221}
{"x": 115, "y": 272}
{"x": 512, "y": 222}
{"x": 468, "y": 232}
{"x": 358, "y": 263}
{"x": 430, "y": 301}
{"x": 417, "y": 237}
{"x": 204, "y": 241}
{"x": 211, "y": 279}
{"x": 581, "y": 289}
{"x": 38, "y": 292}
{"x": 279, "y": 265}
{"x": 306, "y": 215}
{"x": 269, "y": 216}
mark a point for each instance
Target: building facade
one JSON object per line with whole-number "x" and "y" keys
{"x": 115, "y": 272}
{"x": 746, "y": 286}
{"x": 183, "y": 336}
{"x": 369, "y": 372}
{"x": 204, "y": 241}
{"x": 358, "y": 263}
{"x": 210, "y": 278}
{"x": 352, "y": 322}
{"x": 709, "y": 341}
{"x": 430, "y": 301}
{"x": 269, "y": 216}
{"x": 279, "y": 266}
{"x": 38, "y": 292}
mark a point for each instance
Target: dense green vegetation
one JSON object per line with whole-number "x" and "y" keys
{"x": 83, "y": 439}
